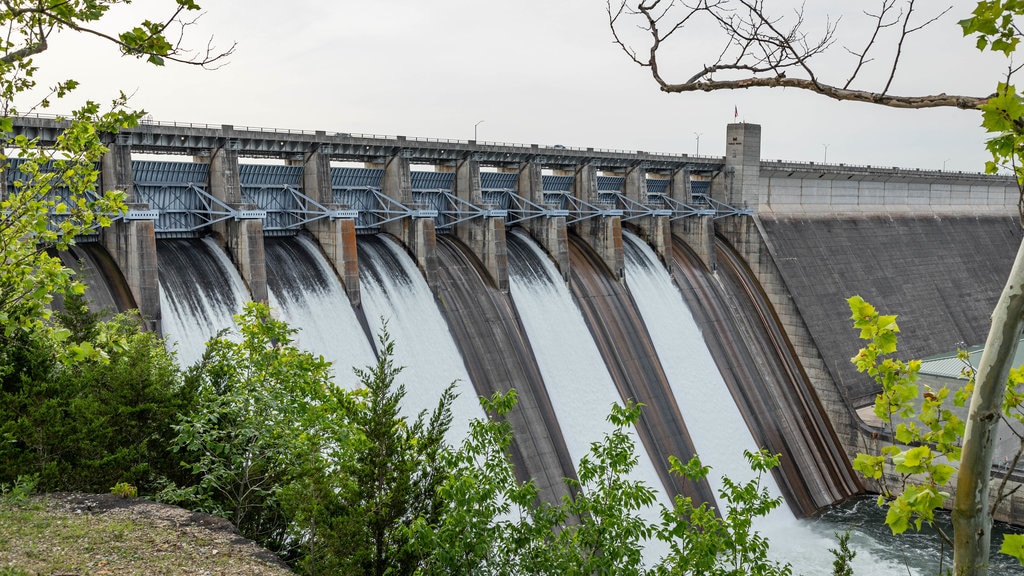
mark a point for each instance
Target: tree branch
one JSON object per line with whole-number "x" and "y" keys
{"x": 766, "y": 50}
{"x": 929, "y": 101}
{"x": 880, "y": 24}
{"x": 46, "y": 15}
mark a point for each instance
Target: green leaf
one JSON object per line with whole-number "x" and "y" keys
{"x": 1013, "y": 545}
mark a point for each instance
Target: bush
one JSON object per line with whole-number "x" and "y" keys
{"x": 87, "y": 425}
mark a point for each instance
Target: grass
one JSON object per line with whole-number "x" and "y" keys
{"x": 37, "y": 536}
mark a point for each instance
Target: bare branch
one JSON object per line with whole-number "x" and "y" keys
{"x": 762, "y": 49}
{"x": 880, "y": 24}
{"x": 903, "y": 36}
{"x": 930, "y": 101}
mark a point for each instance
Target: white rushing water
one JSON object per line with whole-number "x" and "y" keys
{"x": 189, "y": 319}
{"x": 326, "y": 324}
{"x": 423, "y": 343}
{"x": 716, "y": 425}
{"x": 577, "y": 382}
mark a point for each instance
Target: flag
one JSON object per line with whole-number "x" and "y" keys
{"x": 735, "y": 113}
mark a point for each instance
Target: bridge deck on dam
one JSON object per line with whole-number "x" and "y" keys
{"x": 942, "y": 276}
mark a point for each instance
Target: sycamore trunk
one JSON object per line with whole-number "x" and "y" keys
{"x": 972, "y": 519}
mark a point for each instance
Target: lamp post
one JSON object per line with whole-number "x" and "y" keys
{"x": 474, "y": 129}
{"x": 698, "y": 135}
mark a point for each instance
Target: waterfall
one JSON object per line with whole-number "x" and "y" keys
{"x": 719, "y": 430}
{"x": 394, "y": 291}
{"x": 498, "y": 357}
{"x": 304, "y": 290}
{"x": 540, "y": 340}
{"x": 578, "y": 383}
{"x": 200, "y": 292}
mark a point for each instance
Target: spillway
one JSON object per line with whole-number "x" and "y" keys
{"x": 394, "y": 292}
{"x": 304, "y": 290}
{"x": 716, "y": 425}
{"x": 569, "y": 351}
{"x": 94, "y": 267}
{"x": 498, "y": 357}
{"x": 719, "y": 431}
{"x": 200, "y": 292}
{"x": 620, "y": 335}
{"x": 759, "y": 366}
{"x": 579, "y": 385}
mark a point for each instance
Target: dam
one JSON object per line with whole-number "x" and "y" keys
{"x": 712, "y": 289}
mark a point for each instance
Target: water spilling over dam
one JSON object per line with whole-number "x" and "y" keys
{"x": 701, "y": 287}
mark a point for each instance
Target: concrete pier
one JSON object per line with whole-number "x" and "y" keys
{"x": 655, "y": 230}
{"x": 242, "y": 235}
{"x": 132, "y": 245}
{"x": 416, "y": 234}
{"x": 336, "y": 236}
{"x": 244, "y": 243}
{"x": 131, "y": 241}
{"x": 485, "y": 237}
{"x": 551, "y": 231}
{"x": 603, "y": 233}
{"x": 697, "y": 231}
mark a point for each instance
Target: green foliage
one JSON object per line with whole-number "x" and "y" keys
{"x": 844, "y": 556}
{"x": 19, "y": 491}
{"x": 54, "y": 197}
{"x": 610, "y": 531}
{"x": 992, "y": 24}
{"x": 481, "y": 497}
{"x": 392, "y": 476}
{"x": 1013, "y": 545}
{"x": 264, "y": 411}
{"x": 124, "y": 490}
{"x": 927, "y": 430}
{"x": 927, "y": 433}
{"x": 704, "y": 543}
{"x": 87, "y": 425}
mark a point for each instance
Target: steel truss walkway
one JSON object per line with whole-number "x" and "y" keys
{"x": 181, "y": 205}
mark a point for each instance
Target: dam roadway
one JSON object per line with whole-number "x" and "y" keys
{"x": 764, "y": 252}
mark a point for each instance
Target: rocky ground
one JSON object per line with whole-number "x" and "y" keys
{"x": 103, "y": 534}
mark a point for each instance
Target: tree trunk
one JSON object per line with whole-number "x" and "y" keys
{"x": 972, "y": 520}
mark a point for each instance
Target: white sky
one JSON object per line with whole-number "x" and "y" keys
{"x": 535, "y": 72}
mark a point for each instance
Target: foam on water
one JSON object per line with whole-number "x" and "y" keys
{"x": 314, "y": 303}
{"x": 200, "y": 293}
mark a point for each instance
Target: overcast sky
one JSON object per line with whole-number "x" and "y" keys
{"x": 529, "y": 71}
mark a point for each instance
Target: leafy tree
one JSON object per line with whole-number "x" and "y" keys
{"x": 599, "y": 529}
{"x": 927, "y": 432}
{"x": 265, "y": 412}
{"x": 843, "y": 556}
{"x": 482, "y": 501}
{"x": 704, "y": 543}
{"x": 760, "y": 48}
{"x": 608, "y": 538}
{"x": 87, "y": 425}
{"x": 392, "y": 477}
{"x": 54, "y": 197}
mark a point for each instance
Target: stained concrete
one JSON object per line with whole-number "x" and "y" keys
{"x": 941, "y": 275}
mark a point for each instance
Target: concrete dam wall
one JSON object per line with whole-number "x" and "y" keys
{"x": 933, "y": 247}
{"x": 941, "y": 274}
{"x": 516, "y": 276}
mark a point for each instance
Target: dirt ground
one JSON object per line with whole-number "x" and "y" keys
{"x": 70, "y": 534}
